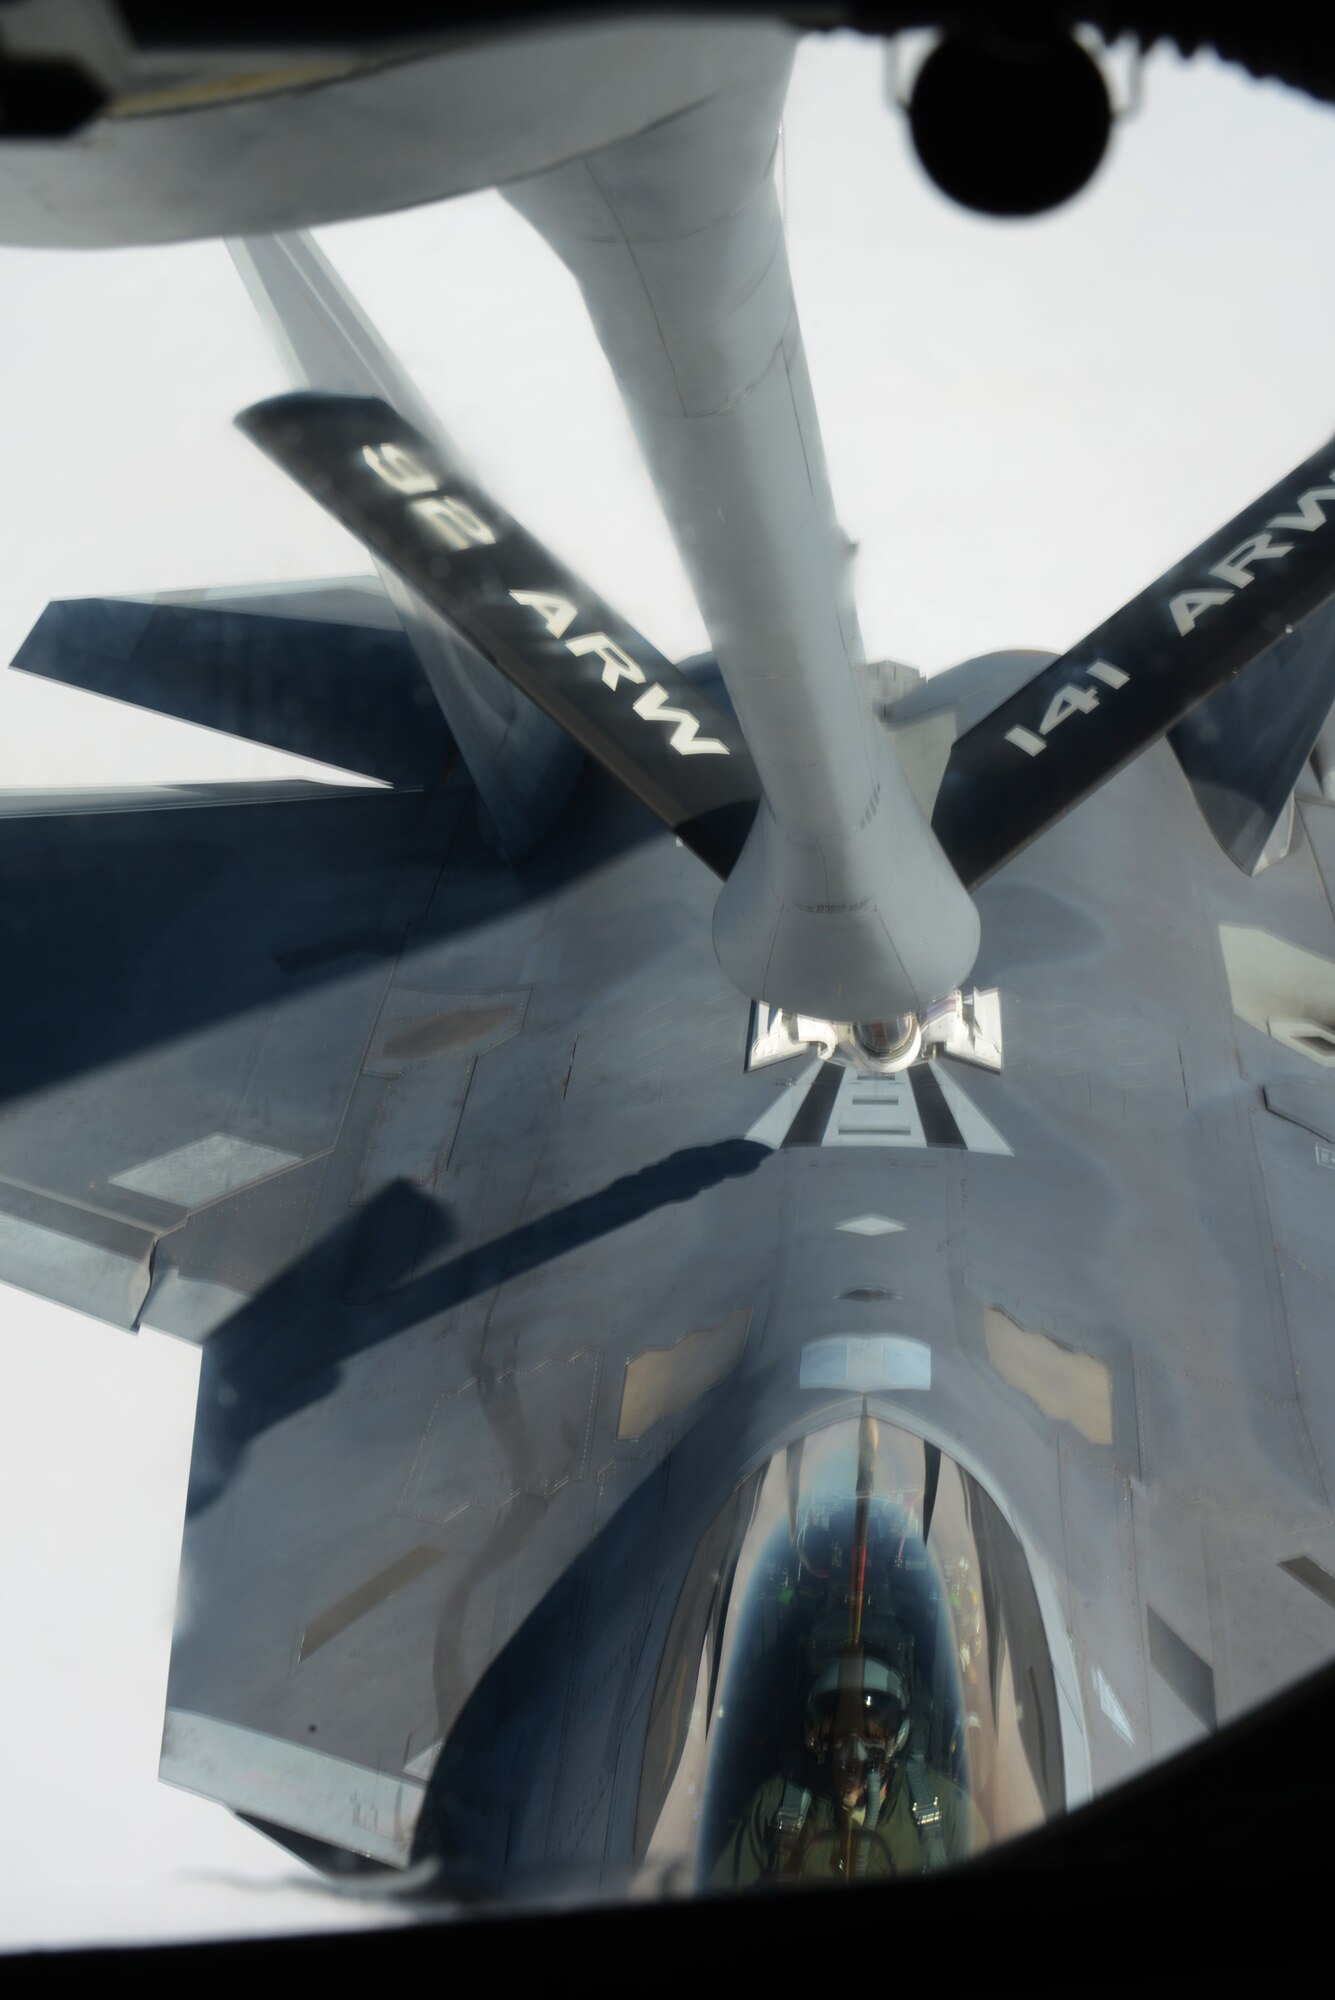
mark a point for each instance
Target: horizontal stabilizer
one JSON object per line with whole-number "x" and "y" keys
{"x": 351, "y": 695}
{"x": 1080, "y": 719}
{"x": 1244, "y": 749}
{"x": 545, "y": 630}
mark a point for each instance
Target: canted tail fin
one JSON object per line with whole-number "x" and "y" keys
{"x": 1244, "y": 749}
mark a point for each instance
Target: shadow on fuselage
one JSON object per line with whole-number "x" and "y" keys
{"x": 540, "y": 1785}
{"x": 286, "y": 1348}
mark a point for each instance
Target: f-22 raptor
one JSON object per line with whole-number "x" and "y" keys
{"x": 699, "y": 1385}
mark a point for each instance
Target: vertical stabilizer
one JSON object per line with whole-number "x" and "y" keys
{"x": 1244, "y": 748}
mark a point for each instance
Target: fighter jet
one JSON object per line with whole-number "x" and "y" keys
{"x": 700, "y": 1384}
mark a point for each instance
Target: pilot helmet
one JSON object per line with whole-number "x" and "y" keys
{"x": 857, "y": 1718}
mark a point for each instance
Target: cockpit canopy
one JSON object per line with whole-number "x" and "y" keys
{"x": 872, "y": 1687}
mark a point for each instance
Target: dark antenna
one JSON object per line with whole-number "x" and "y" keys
{"x": 931, "y": 1478}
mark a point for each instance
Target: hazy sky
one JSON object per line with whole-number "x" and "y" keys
{"x": 1025, "y": 424}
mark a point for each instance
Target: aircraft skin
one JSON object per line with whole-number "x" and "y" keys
{"x": 430, "y": 1148}
{"x": 509, "y": 1150}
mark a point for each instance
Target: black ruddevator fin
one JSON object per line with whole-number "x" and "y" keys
{"x": 1236, "y": 598}
{"x": 543, "y": 628}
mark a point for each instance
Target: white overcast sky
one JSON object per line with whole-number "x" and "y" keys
{"x": 1025, "y": 424}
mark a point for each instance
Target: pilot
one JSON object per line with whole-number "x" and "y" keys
{"x": 860, "y": 1802}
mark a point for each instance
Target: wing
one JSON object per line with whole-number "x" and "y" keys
{"x": 192, "y": 975}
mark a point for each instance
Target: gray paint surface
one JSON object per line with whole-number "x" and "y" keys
{"x": 467, "y": 1362}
